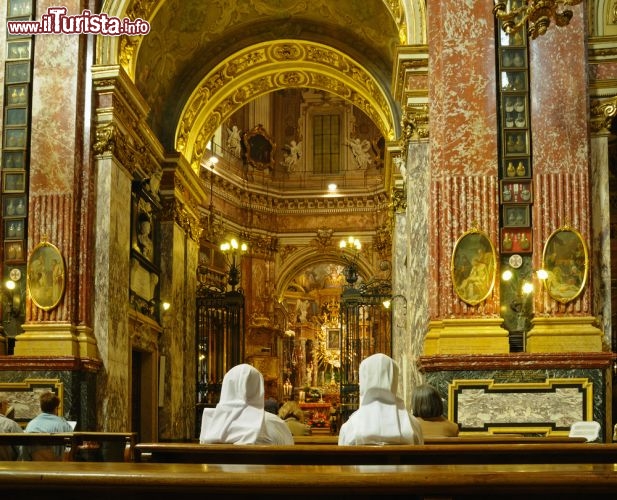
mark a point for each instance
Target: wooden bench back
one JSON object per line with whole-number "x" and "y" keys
{"x": 315, "y": 454}
{"x": 79, "y": 446}
{"x": 137, "y": 481}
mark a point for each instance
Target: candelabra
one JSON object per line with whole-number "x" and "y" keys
{"x": 353, "y": 246}
{"x": 233, "y": 251}
{"x": 536, "y": 14}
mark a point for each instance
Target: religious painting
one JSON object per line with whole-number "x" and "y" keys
{"x": 566, "y": 261}
{"x": 333, "y": 339}
{"x": 259, "y": 149}
{"x": 13, "y": 159}
{"x": 516, "y": 215}
{"x": 46, "y": 276}
{"x": 473, "y": 267}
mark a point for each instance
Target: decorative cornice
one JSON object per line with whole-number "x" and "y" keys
{"x": 522, "y": 361}
{"x": 48, "y": 363}
{"x": 176, "y": 211}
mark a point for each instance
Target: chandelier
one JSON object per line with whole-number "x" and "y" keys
{"x": 537, "y": 14}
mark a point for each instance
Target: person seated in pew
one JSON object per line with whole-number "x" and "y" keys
{"x": 293, "y": 416}
{"x": 8, "y": 425}
{"x": 382, "y": 417}
{"x": 239, "y": 417}
{"x": 47, "y": 421}
{"x": 427, "y": 407}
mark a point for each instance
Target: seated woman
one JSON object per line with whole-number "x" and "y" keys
{"x": 428, "y": 408}
{"x": 239, "y": 417}
{"x": 382, "y": 417}
{"x": 293, "y": 416}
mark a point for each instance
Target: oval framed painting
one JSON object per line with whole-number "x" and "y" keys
{"x": 46, "y": 276}
{"x": 566, "y": 261}
{"x": 474, "y": 265}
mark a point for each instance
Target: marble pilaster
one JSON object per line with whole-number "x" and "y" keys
{"x": 411, "y": 269}
{"x": 601, "y": 241}
{"x": 111, "y": 282}
{"x": 179, "y": 258}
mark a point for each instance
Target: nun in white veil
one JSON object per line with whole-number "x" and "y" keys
{"x": 239, "y": 417}
{"x": 382, "y": 417}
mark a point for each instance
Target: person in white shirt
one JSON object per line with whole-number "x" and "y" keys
{"x": 239, "y": 417}
{"x": 382, "y": 417}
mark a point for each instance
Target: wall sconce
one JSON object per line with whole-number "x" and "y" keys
{"x": 537, "y": 14}
{"x": 210, "y": 163}
{"x": 351, "y": 270}
{"x": 12, "y": 297}
{"x": 233, "y": 251}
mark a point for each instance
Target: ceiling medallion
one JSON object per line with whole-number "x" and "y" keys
{"x": 537, "y": 14}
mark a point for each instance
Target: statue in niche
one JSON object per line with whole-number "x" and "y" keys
{"x": 361, "y": 152}
{"x": 144, "y": 235}
{"x": 234, "y": 141}
{"x": 291, "y": 156}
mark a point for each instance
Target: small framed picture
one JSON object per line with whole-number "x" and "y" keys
{"x": 516, "y": 216}
{"x": 18, "y": 49}
{"x": 13, "y": 206}
{"x": 14, "y": 229}
{"x": 516, "y": 240}
{"x": 516, "y": 143}
{"x": 518, "y": 191}
{"x": 516, "y": 168}
{"x": 17, "y": 72}
{"x": 19, "y": 8}
{"x": 13, "y": 160}
{"x": 514, "y": 81}
{"x": 13, "y": 182}
{"x": 15, "y": 138}
{"x": 15, "y": 116}
{"x": 514, "y": 108}
{"x": 513, "y": 58}
{"x": 17, "y": 95}
{"x": 14, "y": 251}
{"x": 333, "y": 340}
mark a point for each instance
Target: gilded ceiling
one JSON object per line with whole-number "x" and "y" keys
{"x": 189, "y": 38}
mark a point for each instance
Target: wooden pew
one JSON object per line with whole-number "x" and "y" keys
{"x": 499, "y": 453}
{"x": 79, "y": 446}
{"x": 104, "y": 480}
{"x": 466, "y": 439}
{"x": 102, "y": 446}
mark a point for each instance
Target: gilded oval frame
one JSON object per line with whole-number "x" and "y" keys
{"x": 566, "y": 260}
{"x": 46, "y": 276}
{"x": 473, "y": 267}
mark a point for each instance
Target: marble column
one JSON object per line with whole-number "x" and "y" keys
{"x": 560, "y": 125}
{"x": 58, "y": 208}
{"x": 464, "y": 171}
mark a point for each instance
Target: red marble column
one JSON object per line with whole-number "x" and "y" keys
{"x": 59, "y": 178}
{"x": 463, "y": 143}
{"x": 560, "y": 145}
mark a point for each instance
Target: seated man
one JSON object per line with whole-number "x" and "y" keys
{"x": 239, "y": 417}
{"x": 8, "y": 425}
{"x": 47, "y": 421}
